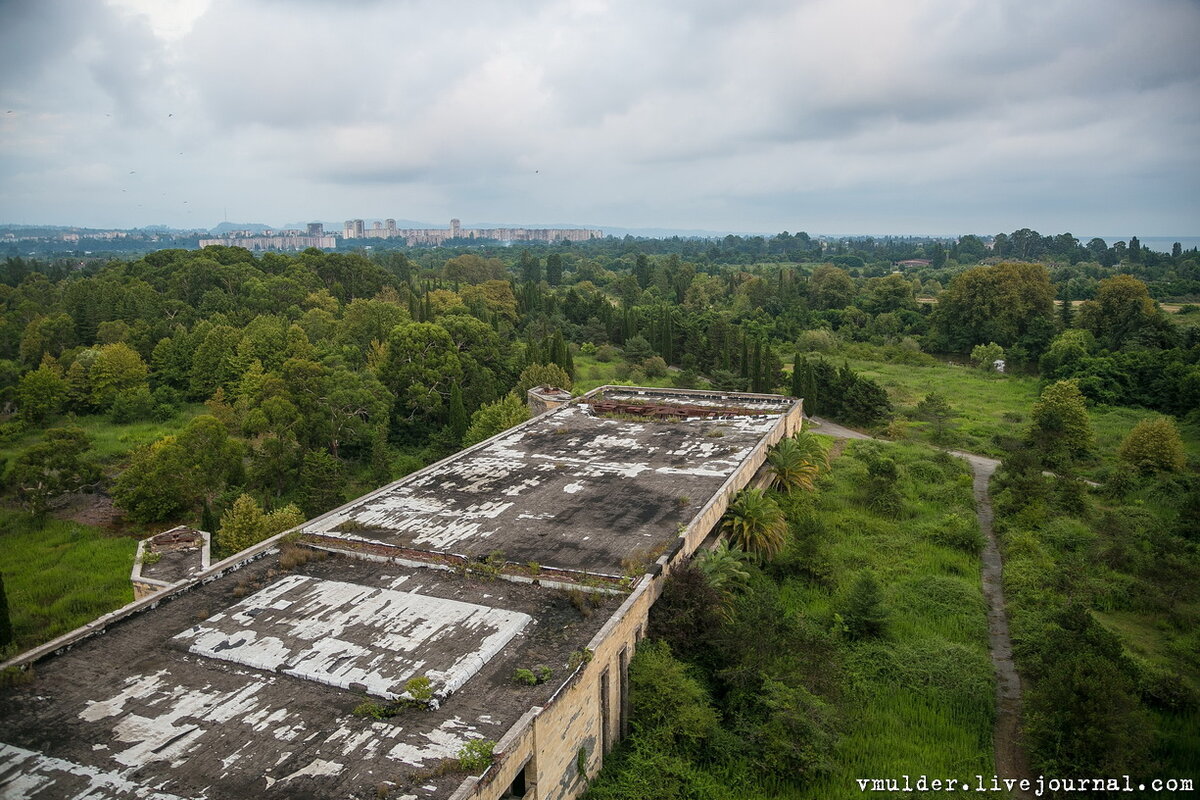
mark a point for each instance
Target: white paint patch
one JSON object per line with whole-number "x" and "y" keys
{"x": 135, "y": 688}
{"x": 352, "y": 636}
{"x": 317, "y": 768}
{"x": 26, "y": 773}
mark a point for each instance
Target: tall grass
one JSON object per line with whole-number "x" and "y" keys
{"x": 59, "y": 575}
{"x": 590, "y": 373}
{"x": 110, "y": 440}
{"x": 921, "y": 697}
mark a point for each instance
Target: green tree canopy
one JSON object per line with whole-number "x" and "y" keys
{"x": 422, "y": 364}
{"x": 52, "y": 467}
{"x": 1061, "y": 429}
{"x": 495, "y": 417}
{"x": 117, "y": 368}
{"x": 543, "y": 375}
{"x": 42, "y": 392}
{"x": 1153, "y": 445}
{"x": 1009, "y": 303}
{"x": 1121, "y": 311}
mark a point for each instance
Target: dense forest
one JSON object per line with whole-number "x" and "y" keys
{"x": 243, "y": 393}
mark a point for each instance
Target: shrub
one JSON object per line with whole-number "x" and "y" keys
{"x": 864, "y": 614}
{"x": 419, "y": 688}
{"x": 985, "y": 356}
{"x": 821, "y": 340}
{"x": 476, "y": 755}
{"x": 654, "y": 367}
{"x": 1153, "y": 445}
{"x": 959, "y": 533}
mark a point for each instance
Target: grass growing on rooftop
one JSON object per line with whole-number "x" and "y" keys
{"x": 59, "y": 575}
{"x": 590, "y": 373}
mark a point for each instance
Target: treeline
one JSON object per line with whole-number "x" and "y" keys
{"x": 339, "y": 370}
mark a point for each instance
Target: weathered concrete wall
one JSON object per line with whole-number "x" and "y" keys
{"x": 541, "y": 399}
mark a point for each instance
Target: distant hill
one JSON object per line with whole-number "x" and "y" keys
{"x": 227, "y": 227}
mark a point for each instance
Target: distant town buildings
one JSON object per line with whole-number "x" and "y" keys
{"x": 357, "y": 229}
{"x": 315, "y": 236}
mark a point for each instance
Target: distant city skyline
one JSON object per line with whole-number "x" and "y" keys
{"x": 934, "y": 118}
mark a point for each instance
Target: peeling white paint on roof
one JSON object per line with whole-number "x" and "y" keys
{"x": 622, "y": 478}
{"x": 135, "y": 686}
{"x": 353, "y": 636}
{"x": 26, "y": 774}
{"x": 317, "y": 767}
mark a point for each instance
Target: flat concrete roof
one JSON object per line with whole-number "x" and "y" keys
{"x": 361, "y": 638}
{"x": 573, "y": 489}
{"x": 243, "y": 683}
{"x": 178, "y": 702}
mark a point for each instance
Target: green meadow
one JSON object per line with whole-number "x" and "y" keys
{"x": 59, "y": 575}
{"x": 923, "y": 693}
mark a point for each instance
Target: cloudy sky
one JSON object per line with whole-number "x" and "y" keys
{"x": 831, "y": 116}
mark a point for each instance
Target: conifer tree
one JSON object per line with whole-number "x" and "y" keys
{"x": 554, "y": 269}
{"x": 865, "y": 614}
{"x": 1066, "y": 313}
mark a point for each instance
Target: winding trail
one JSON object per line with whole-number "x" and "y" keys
{"x": 1011, "y": 759}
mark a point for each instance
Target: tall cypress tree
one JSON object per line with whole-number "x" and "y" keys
{"x": 756, "y": 368}
{"x": 560, "y": 354}
{"x": 1066, "y": 313}
{"x": 554, "y": 269}
{"x": 798, "y": 375}
{"x": 531, "y": 267}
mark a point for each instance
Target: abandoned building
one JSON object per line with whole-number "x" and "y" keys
{"x": 496, "y": 596}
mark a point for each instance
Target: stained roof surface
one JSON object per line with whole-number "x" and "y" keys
{"x": 245, "y": 685}
{"x": 574, "y": 489}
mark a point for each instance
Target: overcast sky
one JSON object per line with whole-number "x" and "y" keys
{"x": 830, "y": 116}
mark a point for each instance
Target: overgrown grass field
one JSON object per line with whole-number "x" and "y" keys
{"x": 988, "y": 406}
{"x": 920, "y": 697}
{"x": 59, "y": 575}
{"x": 110, "y": 441}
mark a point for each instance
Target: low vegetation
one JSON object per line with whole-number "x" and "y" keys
{"x": 59, "y": 575}
{"x": 859, "y": 649}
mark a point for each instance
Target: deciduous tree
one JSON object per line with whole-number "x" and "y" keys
{"x": 1153, "y": 445}
{"x": 1061, "y": 429}
{"x": 495, "y": 417}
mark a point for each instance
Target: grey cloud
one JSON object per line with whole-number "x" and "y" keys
{"x": 697, "y": 114}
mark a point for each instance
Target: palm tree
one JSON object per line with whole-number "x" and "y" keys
{"x": 756, "y": 524}
{"x": 725, "y": 567}
{"x": 812, "y": 449}
{"x": 792, "y": 465}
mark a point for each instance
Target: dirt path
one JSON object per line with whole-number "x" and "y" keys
{"x": 1011, "y": 760}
